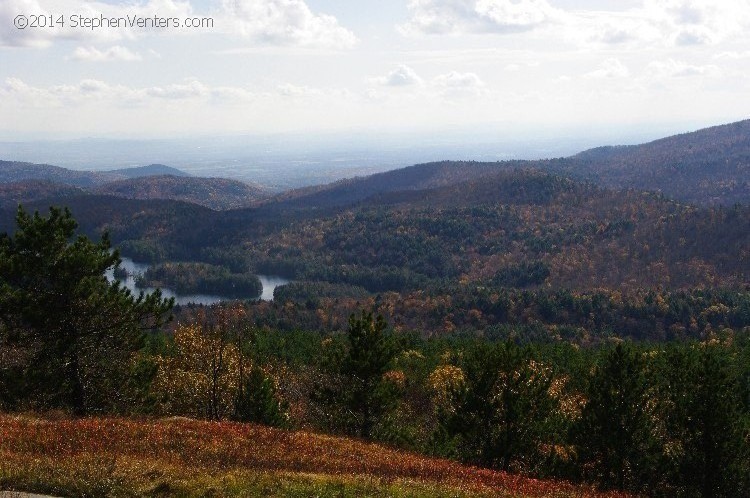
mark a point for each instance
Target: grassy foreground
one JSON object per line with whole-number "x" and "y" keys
{"x": 100, "y": 457}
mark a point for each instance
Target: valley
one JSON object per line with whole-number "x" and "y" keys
{"x": 487, "y": 323}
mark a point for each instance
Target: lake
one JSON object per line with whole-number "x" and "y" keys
{"x": 269, "y": 283}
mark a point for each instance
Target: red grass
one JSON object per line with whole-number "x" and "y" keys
{"x": 223, "y": 446}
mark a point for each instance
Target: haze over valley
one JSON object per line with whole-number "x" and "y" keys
{"x": 285, "y": 161}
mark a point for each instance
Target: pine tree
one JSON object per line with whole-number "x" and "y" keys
{"x": 259, "y": 403}
{"x": 369, "y": 354}
{"x": 355, "y": 395}
{"x": 703, "y": 422}
{"x": 503, "y": 413}
{"x": 77, "y": 330}
{"x": 613, "y": 436}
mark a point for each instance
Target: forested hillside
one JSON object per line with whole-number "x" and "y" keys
{"x": 576, "y": 235}
{"x": 214, "y": 193}
{"x": 26, "y": 191}
{"x": 525, "y": 317}
{"x": 710, "y": 166}
{"x": 418, "y": 177}
{"x": 453, "y": 252}
{"x": 13, "y": 171}
{"x": 515, "y": 229}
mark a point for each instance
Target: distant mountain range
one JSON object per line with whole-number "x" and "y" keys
{"x": 710, "y": 166}
{"x": 27, "y": 182}
{"x": 13, "y": 171}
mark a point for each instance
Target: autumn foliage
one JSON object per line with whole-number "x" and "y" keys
{"x": 136, "y": 454}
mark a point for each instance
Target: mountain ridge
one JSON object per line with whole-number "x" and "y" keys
{"x": 15, "y": 171}
{"x": 710, "y": 166}
{"x": 214, "y": 193}
{"x": 707, "y": 166}
{"x": 148, "y": 170}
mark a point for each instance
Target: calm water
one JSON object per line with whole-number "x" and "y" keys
{"x": 269, "y": 284}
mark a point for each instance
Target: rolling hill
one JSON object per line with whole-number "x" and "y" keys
{"x": 707, "y": 167}
{"x": 508, "y": 224}
{"x": 412, "y": 178}
{"x": 578, "y": 235}
{"x": 509, "y": 247}
{"x": 14, "y": 171}
{"x": 214, "y": 193}
{"x": 26, "y": 191}
{"x": 585, "y": 236}
{"x": 149, "y": 170}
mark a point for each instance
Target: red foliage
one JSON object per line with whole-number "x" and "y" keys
{"x": 227, "y": 446}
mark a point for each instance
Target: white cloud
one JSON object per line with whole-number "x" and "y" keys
{"x": 477, "y": 16}
{"x": 667, "y": 22}
{"x": 671, "y": 68}
{"x": 413, "y": 90}
{"x": 515, "y": 67}
{"x": 613, "y": 35}
{"x": 455, "y": 79}
{"x": 180, "y": 91}
{"x": 65, "y": 10}
{"x": 290, "y": 90}
{"x": 230, "y": 94}
{"x": 661, "y": 23}
{"x": 266, "y": 22}
{"x": 733, "y": 55}
{"x": 698, "y": 35}
{"x": 10, "y": 35}
{"x": 692, "y": 22}
{"x": 400, "y": 77}
{"x": 91, "y": 87}
{"x": 115, "y": 53}
{"x": 14, "y": 90}
{"x": 613, "y": 29}
{"x": 610, "y": 68}
{"x": 458, "y": 85}
{"x": 285, "y": 22}
{"x": 650, "y": 23}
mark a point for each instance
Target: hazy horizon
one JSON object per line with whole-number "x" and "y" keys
{"x": 295, "y": 92}
{"x": 287, "y": 160}
{"x": 257, "y": 67}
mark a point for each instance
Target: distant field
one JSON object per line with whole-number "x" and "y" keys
{"x": 182, "y": 457}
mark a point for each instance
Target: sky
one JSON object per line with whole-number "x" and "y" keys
{"x": 336, "y": 66}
